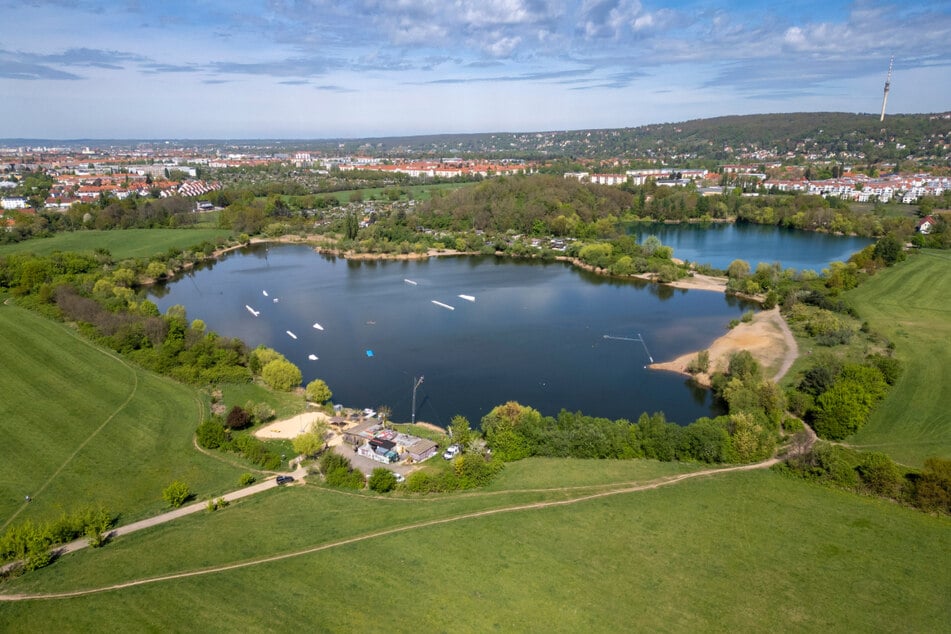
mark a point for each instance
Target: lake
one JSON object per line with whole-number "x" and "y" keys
{"x": 544, "y": 334}
{"x": 718, "y": 244}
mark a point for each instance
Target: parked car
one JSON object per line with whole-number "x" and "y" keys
{"x": 451, "y": 452}
{"x": 399, "y": 477}
{"x": 284, "y": 479}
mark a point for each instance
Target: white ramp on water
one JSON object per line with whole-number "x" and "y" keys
{"x": 443, "y": 305}
{"x": 318, "y": 326}
{"x": 265, "y": 293}
{"x": 468, "y": 298}
{"x": 290, "y": 334}
{"x": 252, "y": 311}
{"x": 312, "y": 357}
{"x": 409, "y": 281}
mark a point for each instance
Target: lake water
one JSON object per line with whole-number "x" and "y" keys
{"x": 535, "y": 332}
{"x": 718, "y": 244}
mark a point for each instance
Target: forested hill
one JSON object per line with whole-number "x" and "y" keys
{"x": 720, "y": 138}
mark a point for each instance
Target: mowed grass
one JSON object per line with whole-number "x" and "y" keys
{"x": 81, "y": 426}
{"x": 127, "y": 243}
{"x": 747, "y": 551}
{"x": 910, "y": 304}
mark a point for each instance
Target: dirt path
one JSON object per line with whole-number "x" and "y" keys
{"x": 654, "y": 484}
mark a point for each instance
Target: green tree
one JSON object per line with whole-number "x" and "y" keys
{"x": 889, "y": 250}
{"x": 176, "y": 494}
{"x": 460, "y": 432}
{"x": 317, "y": 391}
{"x": 312, "y": 441}
{"x": 738, "y": 269}
{"x": 281, "y": 375}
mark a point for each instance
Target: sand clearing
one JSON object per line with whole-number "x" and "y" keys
{"x": 291, "y": 427}
{"x": 767, "y": 338}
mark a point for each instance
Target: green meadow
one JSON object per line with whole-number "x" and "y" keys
{"x": 128, "y": 243}
{"x": 81, "y": 426}
{"x": 910, "y": 304}
{"x": 749, "y": 551}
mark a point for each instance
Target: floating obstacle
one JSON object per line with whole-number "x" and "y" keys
{"x": 410, "y": 282}
{"x": 290, "y": 334}
{"x": 318, "y": 326}
{"x": 468, "y": 298}
{"x": 369, "y": 353}
{"x": 312, "y": 357}
{"x": 265, "y": 293}
{"x": 275, "y": 300}
{"x": 252, "y": 311}
{"x": 446, "y": 306}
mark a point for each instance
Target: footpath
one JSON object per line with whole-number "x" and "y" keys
{"x": 190, "y": 509}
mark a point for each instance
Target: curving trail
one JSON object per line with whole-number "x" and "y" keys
{"x": 654, "y": 484}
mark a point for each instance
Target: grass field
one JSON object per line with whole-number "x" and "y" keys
{"x": 910, "y": 304}
{"x": 129, "y": 243}
{"x": 734, "y": 552}
{"x": 81, "y": 426}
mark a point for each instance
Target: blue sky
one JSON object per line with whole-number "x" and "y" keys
{"x": 354, "y": 68}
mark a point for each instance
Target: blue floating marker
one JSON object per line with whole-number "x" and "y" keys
{"x": 369, "y": 353}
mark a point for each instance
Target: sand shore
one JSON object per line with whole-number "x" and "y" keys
{"x": 766, "y": 337}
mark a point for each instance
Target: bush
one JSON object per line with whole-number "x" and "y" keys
{"x": 176, "y": 494}
{"x": 338, "y": 471}
{"x": 318, "y": 392}
{"x": 880, "y": 475}
{"x": 382, "y": 480}
{"x": 238, "y": 418}
{"x": 246, "y": 479}
{"x": 281, "y": 375}
{"x": 211, "y": 434}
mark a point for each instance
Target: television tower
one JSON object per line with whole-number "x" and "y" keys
{"x": 888, "y": 83}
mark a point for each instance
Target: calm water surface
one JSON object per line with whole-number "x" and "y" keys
{"x": 535, "y": 332}
{"x": 721, "y": 243}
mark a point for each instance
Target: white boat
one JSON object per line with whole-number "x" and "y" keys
{"x": 312, "y": 357}
{"x": 252, "y": 311}
{"x": 468, "y": 298}
{"x": 265, "y": 293}
{"x": 409, "y": 281}
{"x": 290, "y": 334}
{"x": 447, "y": 306}
{"x": 275, "y": 300}
{"x": 318, "y": 326}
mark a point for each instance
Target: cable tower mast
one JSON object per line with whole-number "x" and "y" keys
{"x": 888, "y": 83}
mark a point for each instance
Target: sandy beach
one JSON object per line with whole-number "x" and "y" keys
{"x": 290, "y": 427}
{"x": 766, "y": 337}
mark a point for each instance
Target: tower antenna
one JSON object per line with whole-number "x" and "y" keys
{"x": 888, "y": 83}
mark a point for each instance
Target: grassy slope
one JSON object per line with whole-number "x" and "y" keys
{"x": 130, "y": 243}
{"x": 910, "y": 304}
{"x": 744, "y": 551}
{"x": 81, "y": 426}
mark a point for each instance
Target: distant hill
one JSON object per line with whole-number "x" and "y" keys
{"x": 719, "y": 138}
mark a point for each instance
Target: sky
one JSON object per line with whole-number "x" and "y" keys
{"x": 235, "y": 69}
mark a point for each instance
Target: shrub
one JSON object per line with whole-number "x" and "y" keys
{"x": 382, "y": 480}
{"x": 211, "y": 434}
{"x": 880, "y": 475}
{"x": 281, "y": 375}
{"x": 318, "y": 392}
{"x": 176, "y": 494}
{"x": 237, "y": 418}
{"x": 700, "y": 363}
{"x": 246, "y": 479}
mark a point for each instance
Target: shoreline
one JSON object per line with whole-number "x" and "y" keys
{"x": 767, "y": 337}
